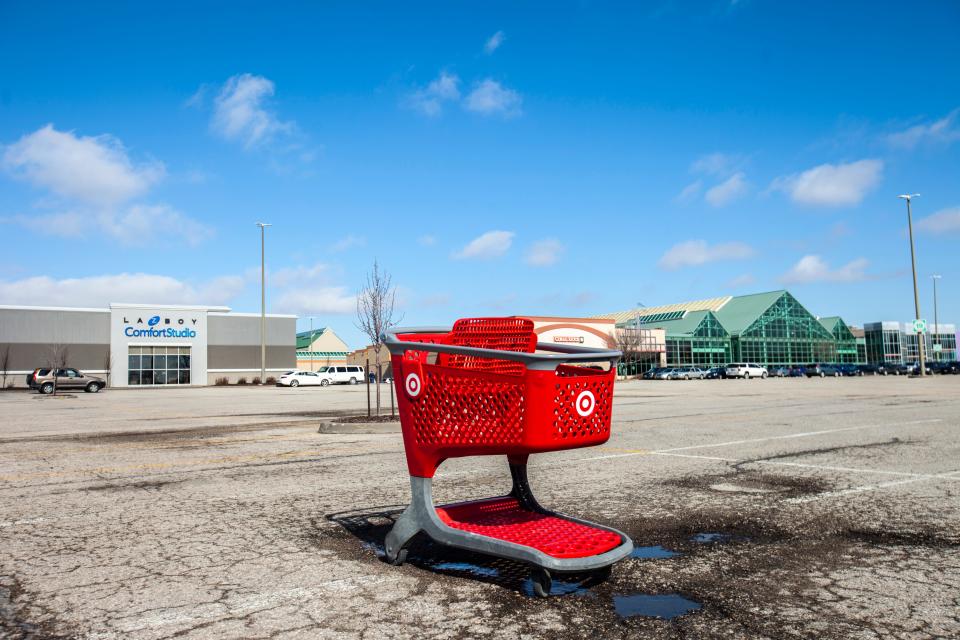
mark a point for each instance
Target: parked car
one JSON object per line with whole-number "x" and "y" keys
{"x": 715, "y": 372}
{"x": 665, "y": 373}
{"x": 746, "y": 370}
{"x": 849, "y": 370}
{"x": 779, "y": 372}
{"x": 42, "y": 379}
{"x": 345, "y": 374}
{"x": 822, "y": 371}
{"x": 689, "y": 373}
{"x": 893, "y": 369}
{"x": 651, "y": 374}
{"x": 798, "y": 371}
{"x": 868, "y": 369}
{"x": 303, "y": 378}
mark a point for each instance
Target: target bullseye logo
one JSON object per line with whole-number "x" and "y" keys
{"x": 413, "y": 385}
{"x": 586, "y": 403}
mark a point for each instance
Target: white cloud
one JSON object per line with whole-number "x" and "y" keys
{"x": 942, "y": 131}
{"x": 697, "y": 252}
{"x": 307, "y": 290}
{"x": 943, "y": 221}
{"x": 100, "y": 291}
{"x": 832, "y": 185}
{"x": 493, "y": 42}
{"x": 717, "y": 164}
{"x": 430, "y": 100}
{"x": 315, "y": 301}
{"x": 95, "y": 180}
{"x": 92, "y": 170}
{"x": 491, "y": 244}
{"x": 240, "y": 112}
{"x": 813, "y": 268}
{"x": 348, "y": 242}
{"x": 545, "y": 253}
{"x": 489, "y": 97}
{"x": 690, "y": 192}
{"x": 727, "y": 191}
{"x": 743, "y": 280}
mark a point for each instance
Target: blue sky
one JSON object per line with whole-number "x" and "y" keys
{"x": 496, "y": 158}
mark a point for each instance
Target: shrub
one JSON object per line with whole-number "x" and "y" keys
{"x": 242, "y": 380}
{"x": 220, "y": 382}
{"x": 256, "y": 380}
{"x": 271, "y": 380}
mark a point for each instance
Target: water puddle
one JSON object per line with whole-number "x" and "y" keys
{"x": 666, "y": 606}
{"x": 710, "y": 538}
{"x": 466, "y": 567}
{"x": 652, "y": 553}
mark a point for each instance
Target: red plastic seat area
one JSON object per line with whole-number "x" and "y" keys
{"x": 505, "y": 519}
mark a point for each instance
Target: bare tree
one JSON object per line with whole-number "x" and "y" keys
{"x": 57, "y": 360}
{"x": 628, "y": 340}
{"x": 376, "y": 305}
{"x": 5, "y": 362}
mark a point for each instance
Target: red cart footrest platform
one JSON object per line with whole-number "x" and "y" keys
{"x": 505, "y": 519}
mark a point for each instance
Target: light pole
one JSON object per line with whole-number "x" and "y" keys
{"x": 913, "y": 266}
{"x": 263, "y": 302}
{"x": 936, "y": 324}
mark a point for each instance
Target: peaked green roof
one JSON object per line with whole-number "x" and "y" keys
{"x": 742, "y": 311}
{"x": 830, "y": 322}
{"x": 684, "y": 326}
{"x": 306, "y": 338}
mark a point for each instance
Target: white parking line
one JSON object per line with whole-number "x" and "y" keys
{"x": 805, "y": 434}
{"x": 950, "y": 475}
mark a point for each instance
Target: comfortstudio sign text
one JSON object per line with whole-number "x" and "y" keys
{"x": 179, "y": 329}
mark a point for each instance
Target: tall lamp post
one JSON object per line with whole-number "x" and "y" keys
{"x": 916, "y": 295}
{"x": 263, "y": 303}
{"x": 936, "y": 323}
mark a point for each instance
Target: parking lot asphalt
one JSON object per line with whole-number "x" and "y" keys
{"x": 785, "y": 508}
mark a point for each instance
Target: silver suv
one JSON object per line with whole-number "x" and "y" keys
{"x": 42, "y": 379}
{"x": 746, "y": 370}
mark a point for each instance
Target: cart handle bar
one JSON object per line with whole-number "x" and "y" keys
{"x": 533, "y": 361}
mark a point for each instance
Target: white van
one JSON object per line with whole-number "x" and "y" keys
{"x": 345, "y": 374}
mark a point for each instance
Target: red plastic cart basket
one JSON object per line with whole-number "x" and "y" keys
{"x": 486, "y": 387}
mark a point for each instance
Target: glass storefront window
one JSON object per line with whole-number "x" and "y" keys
{"x": 158, "y": 365}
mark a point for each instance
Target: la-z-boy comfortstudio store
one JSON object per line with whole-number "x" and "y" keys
{"x": 145, "y": 345}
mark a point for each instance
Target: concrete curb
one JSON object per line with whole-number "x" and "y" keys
{"x": 359, "y": 427}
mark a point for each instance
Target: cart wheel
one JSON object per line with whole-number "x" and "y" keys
{"x": 398, "y": 559}
{"x": 542, "y": 582}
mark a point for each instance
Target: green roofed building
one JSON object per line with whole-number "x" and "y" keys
{"x": 320, "y": 348}
{"x": 770, "y": 329}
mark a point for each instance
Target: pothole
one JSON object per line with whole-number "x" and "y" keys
{"x": 664, "y": 606}
{"x": 655, "y": 552}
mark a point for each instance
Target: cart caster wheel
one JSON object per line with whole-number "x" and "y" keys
{"x": 398, "y": 559}
{"x": 542, "y": 582}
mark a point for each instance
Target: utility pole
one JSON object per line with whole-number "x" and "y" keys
{"x": 916, "y": 295}
{"x": 936, "y": 323}
{"x": 263, "y": 303}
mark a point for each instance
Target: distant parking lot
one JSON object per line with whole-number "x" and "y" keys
{"x": 772, "y": 508}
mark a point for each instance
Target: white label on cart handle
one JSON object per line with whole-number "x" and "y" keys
{"x": 586, "y": 403}
{"x": 413, "y": 385}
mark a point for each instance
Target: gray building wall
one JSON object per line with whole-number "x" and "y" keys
{"x": 32, "y": 335}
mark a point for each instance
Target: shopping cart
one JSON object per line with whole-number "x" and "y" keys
{"x": 486, "y": 387}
